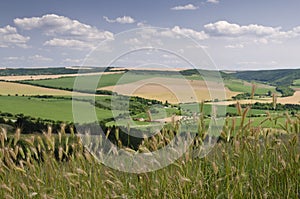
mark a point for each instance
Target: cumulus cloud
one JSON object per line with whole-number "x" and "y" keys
{"x": 224, "y": 28}
{"x": 198, "y": 35}
{"x": 213, "y": 1}
{"x": 258, "y": 33}
{"x": 185, "y": 7}
{"x": 121, "y": 20}
{"x": 69, "y": 43}
{"x": 67, "y": 32}
{"x": 9, "y": 37}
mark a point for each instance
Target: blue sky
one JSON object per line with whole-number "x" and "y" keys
{"x": 238, "y": 35}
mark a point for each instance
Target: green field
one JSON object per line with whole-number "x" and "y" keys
{"x": 256, "y": 158}
{"x": 296, "y": 83}
{"x": 240, "y": 86}
{"x": 105, "y": 80}
{"x": 53, "y": 109}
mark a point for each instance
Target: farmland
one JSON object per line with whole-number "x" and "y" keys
{"x": 53, "y": 109}
{"x": 255, "y": 154}
{"x": 244, "y": 87}
{"x": 9, "y": 88}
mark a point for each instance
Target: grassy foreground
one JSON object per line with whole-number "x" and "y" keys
{"x": 247, "y": 163}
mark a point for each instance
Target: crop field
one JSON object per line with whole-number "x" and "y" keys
{"x": 104, "y": 80}
{"x": 53, "y": 109}
{"x": 246, "y": 162}
{"x": 174, "y": 90}
{"x": 255, "y": 154}
{"x": 10, "y": 88}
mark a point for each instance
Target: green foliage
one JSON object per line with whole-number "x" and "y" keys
{"x": 49, "y": 71}
{"x": 285, "y": 91}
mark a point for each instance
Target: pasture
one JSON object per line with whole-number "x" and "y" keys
{"x": 246, "y": 87}
{"x": 52, "y": 109}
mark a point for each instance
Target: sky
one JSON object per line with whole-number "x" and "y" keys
{"x": 237, "y": 35}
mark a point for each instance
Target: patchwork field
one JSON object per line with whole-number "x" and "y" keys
{"x": 104, "y": 80}
{"x": 173, "y": 90}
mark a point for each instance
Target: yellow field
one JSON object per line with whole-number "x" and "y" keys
{"x": 38, "y": 77}
{"x": 174, "y": 90}
{"x": 22, "y": 89}
{"x": 295, "y": 99}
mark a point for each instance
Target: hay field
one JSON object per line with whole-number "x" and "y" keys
{"x": 295, "y": 99}
{"x": 173, "y": 90}
{"x": 10, "y": 88}
{"x": 39, "y": 77}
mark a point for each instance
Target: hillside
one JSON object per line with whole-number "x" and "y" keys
{"x": 282, "y": 78}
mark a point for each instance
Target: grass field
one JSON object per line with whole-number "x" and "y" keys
{"x": 296, "y": 83}
{"x": 53, "y": 109}
{"x": 248, "y": 164}
{"x": 245, "y": 87}
{"x": 255, "y": 157}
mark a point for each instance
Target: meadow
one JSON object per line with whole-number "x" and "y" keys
{"x": 249, "y": 163}
{"x": 244, "y": 87}
{"x": 256, "y": 154}
{"x": 52, "y": 109}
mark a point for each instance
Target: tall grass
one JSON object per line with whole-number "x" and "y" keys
{"x": 247, "y": 162}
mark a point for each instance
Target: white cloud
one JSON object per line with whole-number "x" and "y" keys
{"x": 133, "y": 41}
{"x": 257, "y": 33}
{"x": 69, "y": 43}
{"x": 65, "y": 31}
{"x": 213, "y": 1}
{"x": 9, "y": 37}
{"x": 121, "y": 20}
{"x": 224, "y": 28}
{"x": 54, "y": 25}
{"x": 185, "y": 7}
{"x": 198, "y": 35}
